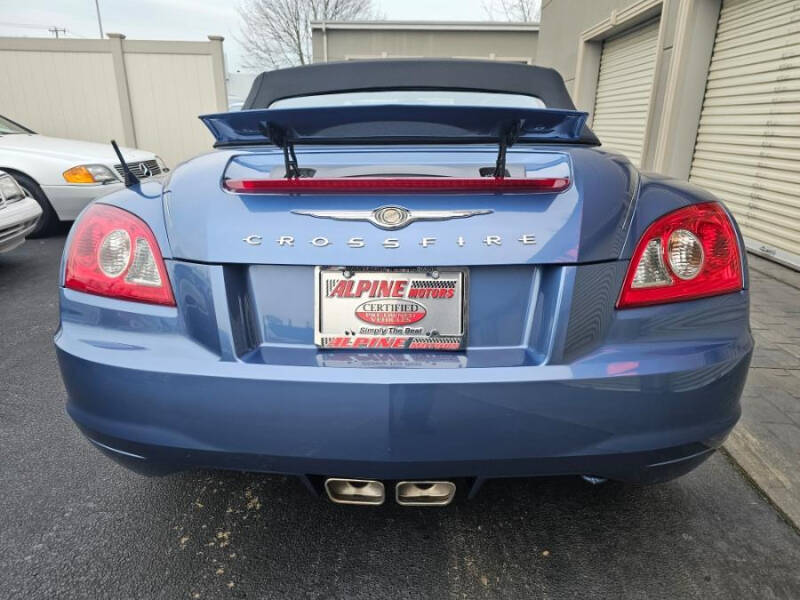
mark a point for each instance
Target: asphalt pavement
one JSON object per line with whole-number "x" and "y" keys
{"x": 73, "y": 524}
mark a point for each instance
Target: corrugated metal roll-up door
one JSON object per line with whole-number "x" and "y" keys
{"x": 748, "y": 143}
{"x": 624, "y": 85}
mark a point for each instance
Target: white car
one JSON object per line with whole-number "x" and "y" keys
{"x": 65, "y": 175}
{"x": 19, "y": 213}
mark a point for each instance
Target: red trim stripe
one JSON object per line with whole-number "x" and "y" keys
{"x": 389, "y": 185}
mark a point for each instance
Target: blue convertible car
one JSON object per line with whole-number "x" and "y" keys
{"x": 404, "y": 278}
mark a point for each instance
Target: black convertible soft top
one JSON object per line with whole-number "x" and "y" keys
{"x": 418, "y": 74}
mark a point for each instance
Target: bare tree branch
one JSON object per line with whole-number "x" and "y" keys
{"x": 513, "y": 10}
{"x": 277, "y": 33}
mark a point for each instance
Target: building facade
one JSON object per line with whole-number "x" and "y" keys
{"x": 704, "y": 90}
{"x": 515, "y": 42}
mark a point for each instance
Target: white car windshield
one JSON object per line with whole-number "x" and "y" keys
{"x": 8, "y": 127}
{"x": 425, "y": 97}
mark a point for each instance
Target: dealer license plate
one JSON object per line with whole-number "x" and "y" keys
{"x": 387, "y": 309}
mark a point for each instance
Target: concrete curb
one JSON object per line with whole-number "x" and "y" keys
{"x": 774, "y": 271}
{"x": 768, "y": 461}
{"x": 746, "y": 452}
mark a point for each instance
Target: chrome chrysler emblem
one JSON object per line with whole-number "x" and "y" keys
{"x": 392, "y": 217}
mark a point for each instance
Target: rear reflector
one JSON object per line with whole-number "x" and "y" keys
{"x": 387, "y": 185}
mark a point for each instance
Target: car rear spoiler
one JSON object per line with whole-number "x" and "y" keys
{"x": 395, "y": 124}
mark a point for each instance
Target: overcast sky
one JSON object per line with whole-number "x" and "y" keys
{"x": 184, "y": 19}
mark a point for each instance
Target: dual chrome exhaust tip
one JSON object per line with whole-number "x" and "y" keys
{"x": 355, "y": 491}
{"x": 424, "y": 493}
{"x": 406, "y": 493}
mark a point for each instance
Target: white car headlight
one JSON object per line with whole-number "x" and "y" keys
{"x": 90, "y": 174}
{"x": 162, "y": 165}
{"x": 10, "y": 191}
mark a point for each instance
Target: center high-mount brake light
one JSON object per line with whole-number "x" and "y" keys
{"x": 396, "y": 185}
{"x": 690, "y": 253}
{"x": 114, "y": 253}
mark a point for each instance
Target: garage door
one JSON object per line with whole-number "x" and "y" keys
{"x": 748, "y": 143}
{"x": 627, "y": 63}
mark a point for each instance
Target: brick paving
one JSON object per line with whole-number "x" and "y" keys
{"x": 766, "y": 442}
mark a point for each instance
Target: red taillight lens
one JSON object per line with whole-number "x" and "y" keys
{"x": 114, "y": 253}
{"x": 690, "y": 253}
{"x": 396, "y": 185}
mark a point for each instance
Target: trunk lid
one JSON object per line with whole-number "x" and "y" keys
{"x": 487, "y": 270}
{"x": 585, "y": 223}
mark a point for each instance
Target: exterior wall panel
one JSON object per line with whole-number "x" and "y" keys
{"x": 562, "y": 24}
{"x": 167, "y": 92}
{"x": 353, "y": 41}
{"x": 62, "y": 94}
{"x": 748, "y": 141}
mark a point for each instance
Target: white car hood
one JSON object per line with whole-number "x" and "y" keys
{"x": 72, "y": 152}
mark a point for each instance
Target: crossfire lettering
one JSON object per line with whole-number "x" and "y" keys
{"x": 390, "y": 243}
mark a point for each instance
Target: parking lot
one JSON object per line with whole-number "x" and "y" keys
{"x": 76, "y": 525}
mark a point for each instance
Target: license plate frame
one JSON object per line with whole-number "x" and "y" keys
{"x": 337, "y": 326}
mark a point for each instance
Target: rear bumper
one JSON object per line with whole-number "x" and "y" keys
{"x": 644, "y": 467}
{"x": 187, "y": 409}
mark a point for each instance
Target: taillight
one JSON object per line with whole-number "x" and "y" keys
{"x": 114, "y": 253}
{"x": 690, "y": 253}
{"x": 396, "y": 185}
